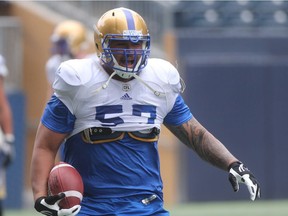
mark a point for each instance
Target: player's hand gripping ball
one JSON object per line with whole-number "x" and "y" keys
{"x": 64, "y": 178}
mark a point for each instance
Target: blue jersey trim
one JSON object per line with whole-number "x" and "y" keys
{"x": 57, "y": 116}
{"x": 179, "y": 114}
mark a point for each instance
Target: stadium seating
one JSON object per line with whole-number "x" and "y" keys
{"x": 242, "y": 13}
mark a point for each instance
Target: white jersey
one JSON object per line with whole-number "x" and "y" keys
{"x": 3, "y": 67}
{"x": 130, "y": 106}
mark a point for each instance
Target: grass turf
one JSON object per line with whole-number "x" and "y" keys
{"x": 257, "y": 208}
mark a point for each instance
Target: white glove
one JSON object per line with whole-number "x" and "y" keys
{"x": 238, "y": 173}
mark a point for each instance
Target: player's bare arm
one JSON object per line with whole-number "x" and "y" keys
{"x": 45, "y": 149}
{"x": 210, "y": 149}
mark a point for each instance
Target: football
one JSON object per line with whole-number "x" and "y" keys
{"x": 65, "y": 178}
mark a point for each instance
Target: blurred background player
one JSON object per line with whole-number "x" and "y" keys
{"x": 68, "y": 42}
{"x": 6, "y": 133}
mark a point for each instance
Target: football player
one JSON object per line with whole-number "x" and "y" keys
{"x": 68, "y": 42}
{"x": 109, "y": 111}
{"x": 6, "y": 133}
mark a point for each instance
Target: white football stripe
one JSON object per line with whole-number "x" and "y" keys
{"x": 73, "y": 193}
{"x": 61, "y": 165}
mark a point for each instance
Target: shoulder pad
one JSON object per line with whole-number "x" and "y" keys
{"x": 75, "y": 72}
{"x": 165, "y": 70}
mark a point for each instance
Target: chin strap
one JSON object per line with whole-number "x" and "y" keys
{"x": 157, "y": 93}
{"x": 105, "y": 85}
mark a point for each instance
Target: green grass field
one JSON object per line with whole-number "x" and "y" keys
{"x": 257, "y": 208}
{"x": 249, "y": 208}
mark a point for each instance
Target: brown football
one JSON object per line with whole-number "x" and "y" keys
{"x": 65, "y": 178}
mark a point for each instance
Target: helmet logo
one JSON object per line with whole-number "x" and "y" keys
{"x": 133, "y": 35}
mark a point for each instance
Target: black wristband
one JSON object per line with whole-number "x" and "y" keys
{"x": 234, "y": 164}
{"x": 37, "y": 203}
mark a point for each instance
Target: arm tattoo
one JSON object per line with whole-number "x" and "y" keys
{"x": 210, "y": 149}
